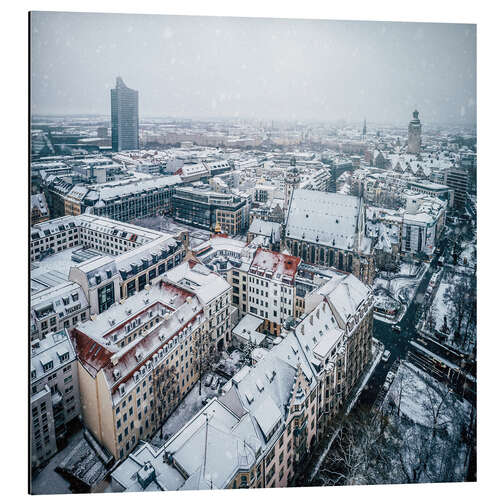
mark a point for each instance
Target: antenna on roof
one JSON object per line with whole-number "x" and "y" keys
{"x": 206, "y": 445}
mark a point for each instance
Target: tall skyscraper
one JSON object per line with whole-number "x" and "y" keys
{"x": 124, "y": 117}
{"x": 414, "y": 134}
{"x": 364, "y": 129}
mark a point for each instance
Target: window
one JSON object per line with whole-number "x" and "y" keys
{"x": 48, "y": 366}
{"x": 106, "y": 297}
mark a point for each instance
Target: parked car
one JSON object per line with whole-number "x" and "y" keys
{"x": 396, "y": 329}
{"x": 390, "y": 377}
{"x": 215, "y": 383}
{"x": 386, "y": 386}
{"x": 386, "y": 355}
{"x": 208, "y": 380}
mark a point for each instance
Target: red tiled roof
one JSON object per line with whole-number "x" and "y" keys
{"x": 277, "y": 263}
{"x": 93, "y": 355}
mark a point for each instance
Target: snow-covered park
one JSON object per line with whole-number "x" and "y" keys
{"x": 442, "y": 313}
{"x": 421, "y": 433}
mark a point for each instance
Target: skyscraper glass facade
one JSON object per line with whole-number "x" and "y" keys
{"x": 124, "y": 117}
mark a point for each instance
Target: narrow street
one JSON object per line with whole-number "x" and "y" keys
{"x": 396, "y": 343}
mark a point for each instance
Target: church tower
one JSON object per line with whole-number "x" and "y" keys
{"x": 292, "y": 180}
{"x": 414, "y": 134}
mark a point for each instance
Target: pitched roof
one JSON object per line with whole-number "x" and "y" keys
{"x": 330, "y": 219}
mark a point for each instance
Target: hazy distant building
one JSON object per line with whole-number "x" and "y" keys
{"x": 414, "y": 134}
{"x": 102, "y": 132}
{"x": 458, "y": 180}
{"x": 124, "y": 117}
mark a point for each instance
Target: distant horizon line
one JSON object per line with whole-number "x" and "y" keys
{"x": 253, "y": 119}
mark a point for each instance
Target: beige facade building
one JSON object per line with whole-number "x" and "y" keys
{"x": 138, "y": 359}
{"x": 271, "y": 414}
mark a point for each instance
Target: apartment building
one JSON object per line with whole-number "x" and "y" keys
{"x": 271, "y": 290}
{"x": 106, "y": 259}
{"x": 318, "y": 180}
{"x": 231, "y": 259}
{"x": 93, "y": 232}
{"x": 432, "y": 189}
{"x": 55, "y": 399}
{"x": 258, "y": 433}
{"x": 139, "y": 358}
{"x": 39, "y": 209}
{"x": 262, "y": 280}
{"x": 214, "y": 293}
{"x": 269, "y": 231}
{"x": 56, "y": 307}
{"x": 423, "y": 222}
{"x": 122, "y": 200}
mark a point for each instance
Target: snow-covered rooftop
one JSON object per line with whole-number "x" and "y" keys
{"x": 329, "y": 219}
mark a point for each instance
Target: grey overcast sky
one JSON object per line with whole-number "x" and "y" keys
{"x": 203, "y": 67}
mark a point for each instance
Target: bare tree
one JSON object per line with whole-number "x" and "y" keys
{"x": 204, "y": 355}
{"x": 360, "y": 452}
{"x": 471, "y": 320}
{"x": 166, "y": 392}
{"x": 460, "y": 297}
{"x": 400, "y": 387}
{"x": 431, "y": 318}
{"x": 246, "y": 357}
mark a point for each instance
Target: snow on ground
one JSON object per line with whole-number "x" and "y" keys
{"x": 189, "y": 406}
{"x": 469, "y": 253}
{"x": 168, "y": 225}
{"x": 424, "y": 401}
{"x": 232, "y": 363}
{"x": 419, "y": 392}
{"x": 408, "y": 268}
{"x": 48, "y": 481}
{"x": 399, "y": 285}
{"x": 439, "y": 307}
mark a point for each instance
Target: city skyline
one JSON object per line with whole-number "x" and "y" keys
{"x": 255, "y": 68}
